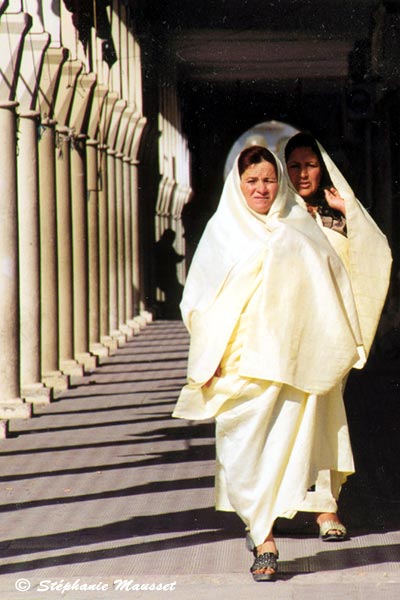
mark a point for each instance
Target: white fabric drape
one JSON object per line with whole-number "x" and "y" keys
{"x": 366, "y": 254}
{"x": 305, "y": 308}
{"x": 270, "y": 302}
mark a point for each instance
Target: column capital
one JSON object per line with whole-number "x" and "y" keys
{"x": 8, "y": 104}
{"x": 78, "y": 141}
{"x": 29, "y": 114}
{"x": 47, "y": 122}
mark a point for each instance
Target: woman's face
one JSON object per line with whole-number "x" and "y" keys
{"x": 304, "y": 170}
{"x": 259, "y": 184}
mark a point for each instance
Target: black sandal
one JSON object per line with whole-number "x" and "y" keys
{"x": 267, "y": 560}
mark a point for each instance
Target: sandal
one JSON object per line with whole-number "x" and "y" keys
{"x": 332, "y": 531}
{"x": 267, "y": 560}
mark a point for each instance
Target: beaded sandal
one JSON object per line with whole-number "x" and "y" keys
{"x": 267, "y": 560}
{"x": 332, "y": 531}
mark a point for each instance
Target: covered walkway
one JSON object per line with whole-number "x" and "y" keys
{"x": 102, "y": 488}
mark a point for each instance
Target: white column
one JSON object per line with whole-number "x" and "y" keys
{"x": 135, "y": 237}
{"x": 114, "y": 182}
{"x": 51, "y": 375}
{"x": 93, "y": 249}
{"x": 112, "y": 248}
{"x": 104, "y": 310}
{"x": 11, "y": 404}
{"x": 142, "y": 316}
{"x": 32, "y": 389}
{"x": 68, "y": 364}
{"x": 79, "y": 255}
{"x": 120, "y": 193}
{"x": 128, "y": 245}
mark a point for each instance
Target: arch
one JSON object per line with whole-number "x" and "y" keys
{"x": 272, "y": 134}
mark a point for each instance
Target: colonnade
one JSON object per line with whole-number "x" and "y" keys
{"x": 174, "y": 166}
{"x": 71, "y": 127}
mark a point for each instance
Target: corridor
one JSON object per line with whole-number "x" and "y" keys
{"x": 102, "y": 491}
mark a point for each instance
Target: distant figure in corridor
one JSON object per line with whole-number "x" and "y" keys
{"x": 274, "y": 331}
{"x": 166, "y": 259}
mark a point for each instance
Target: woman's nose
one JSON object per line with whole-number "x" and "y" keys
{"x": 303, "y": 172}
{"x": 262, "y": 187}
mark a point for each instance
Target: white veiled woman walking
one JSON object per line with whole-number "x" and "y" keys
{"x": 266, "y": 293}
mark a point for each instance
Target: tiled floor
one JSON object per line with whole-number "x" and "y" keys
{"x": 103, "y": 492}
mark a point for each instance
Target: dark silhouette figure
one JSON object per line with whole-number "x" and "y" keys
{"x": 166, "y": 259}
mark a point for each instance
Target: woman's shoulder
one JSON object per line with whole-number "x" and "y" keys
{"x": 299, "y": 232}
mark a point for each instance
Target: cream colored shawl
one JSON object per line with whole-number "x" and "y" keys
{"x": 368, "y": 255}
{"x": 304, "y": 328}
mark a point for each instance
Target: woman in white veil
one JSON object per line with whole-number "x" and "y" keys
{"x": 266, "y": 294}
{"x": 323, "y": 191}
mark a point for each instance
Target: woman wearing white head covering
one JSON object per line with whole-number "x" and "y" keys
{"x": 356, "y": 238}
{"x": 265, "y": 295}
{"x": 325, "y": 194}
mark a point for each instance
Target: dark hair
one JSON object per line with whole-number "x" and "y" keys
{"x": 254, "y": 155}
{"x": 306, "y": 140}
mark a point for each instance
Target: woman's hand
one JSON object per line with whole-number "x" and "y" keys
{"x": 335, "y": 200}
{"x": 216, "y": 374}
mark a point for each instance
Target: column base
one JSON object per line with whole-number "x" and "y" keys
{"x": 88, "y": 361}
{"x": 134, "y": 325}
{"x": 71, "y": 367}
{"x": 140, "y": 320}
{"x": 36, "y": 393}
{"x": 126, "y": 330}
{"x": 110, "y": 342}
{"x": 99, "y": 350}
{"x": 3, "y": 430}
{"x": 56, "y": 380}
{"x": 148, "y": 316}
{"x": 119, "y": 337}
{"x": 15, "y": 409}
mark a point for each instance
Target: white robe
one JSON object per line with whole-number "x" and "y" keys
{"x": 269, "y": 299}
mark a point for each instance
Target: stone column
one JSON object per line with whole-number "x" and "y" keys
{"x": 79, "y": 254}
{"x": 68, "y": 364}
{"x": 32, "y": 389}
{"x": 11, "y": 405}
{"x": 142, "y": 316}
{"x": 120, "y": 200}
{"x": 104, "y": 310}
{"x": 51, "y": 375}
{"x": 93, "y": 249}
{"x": 128, "y": 240}
{"x": 112, "y": 248}
{"x": 135, "y": 237}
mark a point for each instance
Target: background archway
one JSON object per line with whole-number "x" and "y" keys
{"x": 272, "y": 134}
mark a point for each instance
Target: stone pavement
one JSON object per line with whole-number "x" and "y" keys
{"x": 102, "y": 492}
